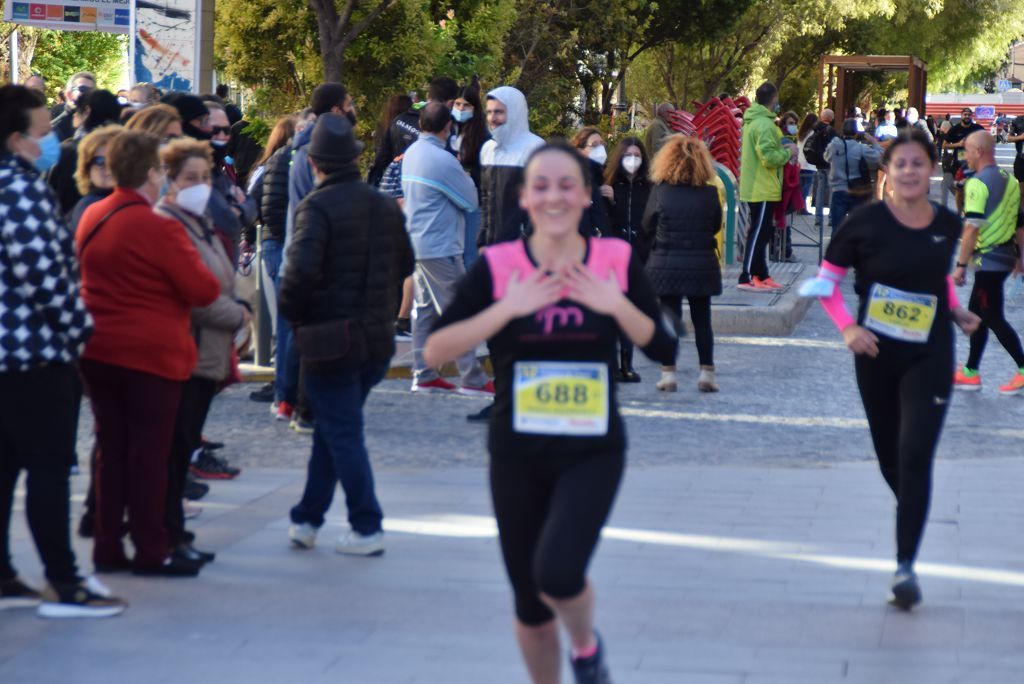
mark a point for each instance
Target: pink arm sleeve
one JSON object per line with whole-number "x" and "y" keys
{"x": 834, "y": 305}
{"x": 954, "y": 301}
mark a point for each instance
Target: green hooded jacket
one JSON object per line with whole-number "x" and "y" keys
{"x": 762, "y": 158}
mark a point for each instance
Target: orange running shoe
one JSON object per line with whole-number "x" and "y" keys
{"x": 767, "y": 284}
{"x": 965, "y": 383}
{"x": 1015, "y": 386}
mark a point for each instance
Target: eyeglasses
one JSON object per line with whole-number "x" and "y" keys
{"x": 226, "y": 130}
{"x": 592, "y": 145}
{"x": 99, "y": 162}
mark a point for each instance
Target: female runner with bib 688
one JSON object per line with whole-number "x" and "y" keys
{"x": 902, "y": 339}
{"x": 552, "y": 306}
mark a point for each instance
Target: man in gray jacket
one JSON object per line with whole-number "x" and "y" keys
{"x": 844, "y": 155}
{"x": 438, "y": 196}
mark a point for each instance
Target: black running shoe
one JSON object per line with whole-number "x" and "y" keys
{"x": 483, "y": 416}
{"x": 194, "y": 489}
{"x": 403, "y": 329}
{"x": 211, "y": 445}
{"x": 16, "y": 594}
{"x": 592, "y": 670}
{"x": 906, "y": 593}
{"x": 264, "y": 394}
{"x": 210, "y": 467}
{"x": 86, "y": 599}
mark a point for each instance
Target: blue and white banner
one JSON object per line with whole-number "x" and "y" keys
{"x": 165, "y": 51}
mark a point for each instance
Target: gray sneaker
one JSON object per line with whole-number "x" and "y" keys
{"x": 303, "y": 535}
{"x": 906, "y": 593}
{"x": 354, "y": 544}
{"x": 592, "y": 670}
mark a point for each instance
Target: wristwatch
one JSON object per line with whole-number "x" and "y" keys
{"x": 959, "y": 265}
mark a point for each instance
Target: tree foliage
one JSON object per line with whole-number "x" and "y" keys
{"x": 570, "y": 57}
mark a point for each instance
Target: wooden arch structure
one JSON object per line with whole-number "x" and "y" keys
{"x": 837, "y": 82}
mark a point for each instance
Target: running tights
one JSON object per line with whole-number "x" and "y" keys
{"x": 550, "y": 510}
{"x": 987, "y": 302}
{"x": 905, "y": 394}
{"x": 700, "y": 316}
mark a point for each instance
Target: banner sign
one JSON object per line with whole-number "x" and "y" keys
{"x": 165, "y": 51}
{"x": 108, "y": 16}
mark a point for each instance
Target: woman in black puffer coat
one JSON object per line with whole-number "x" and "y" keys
{"x": 682, "y": 218}
{"x": 625, "y": 192}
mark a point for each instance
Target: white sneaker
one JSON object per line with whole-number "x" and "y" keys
{"x": 303, "y": 535}
{"x": 668, "y": 382}
{"x": 354, "y": 544}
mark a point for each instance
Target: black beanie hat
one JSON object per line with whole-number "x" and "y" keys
{"x": 333, "y": 140}
{"x": 189, "y": 106}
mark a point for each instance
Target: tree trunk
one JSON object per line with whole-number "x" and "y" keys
{"x": 337, "y": 31}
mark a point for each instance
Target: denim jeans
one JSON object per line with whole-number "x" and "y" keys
{"x": 286, "y": 357}
{"x": 821, "y": 198}
{"x": 842, "y": 204}
{"x": 339, "y": 451}
{"x": 470, "y": 250}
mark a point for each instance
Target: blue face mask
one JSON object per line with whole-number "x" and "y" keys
{"x": 462, "y": 115}
{"x": 49, "y": 152}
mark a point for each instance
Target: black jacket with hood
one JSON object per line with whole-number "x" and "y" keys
{"x": 502, "y": 159}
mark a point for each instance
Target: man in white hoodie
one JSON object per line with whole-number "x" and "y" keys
{"x": 502, "y": 159}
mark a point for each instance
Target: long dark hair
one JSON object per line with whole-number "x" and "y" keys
{"x": 474, "y": 131}
{"x": 395, "y": 105}
{"x": 810, "y": 120}
{"x": 613, "y": 172}
{"x": 283, "y": 131}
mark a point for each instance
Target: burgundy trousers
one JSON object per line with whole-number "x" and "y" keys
{"x": 135, "y": 414}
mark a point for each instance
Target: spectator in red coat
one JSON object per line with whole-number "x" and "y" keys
{"x": 141, "y": 278}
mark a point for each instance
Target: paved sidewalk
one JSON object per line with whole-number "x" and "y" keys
{"x": 707, "y": 575}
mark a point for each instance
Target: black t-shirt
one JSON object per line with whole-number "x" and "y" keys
{"x": 885, "y": 252}
{"x": 589, "y": 338}
{"x": 1017, "y": 128}
{"x": 959, "y": 133}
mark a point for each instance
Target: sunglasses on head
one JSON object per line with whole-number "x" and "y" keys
{"x": 226, "y": 130}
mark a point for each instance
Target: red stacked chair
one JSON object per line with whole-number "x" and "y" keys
{"x": 717, "y": 122}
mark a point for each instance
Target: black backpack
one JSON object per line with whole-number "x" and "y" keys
{"x": 814, "y": 147}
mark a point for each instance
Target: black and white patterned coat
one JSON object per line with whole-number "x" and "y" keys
{"x": 42, "y": 316}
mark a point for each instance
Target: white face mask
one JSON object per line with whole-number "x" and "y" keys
{"x": 599, "y": 154}
{"x": 194, "y": 199}
{"x": 631, "y": 163}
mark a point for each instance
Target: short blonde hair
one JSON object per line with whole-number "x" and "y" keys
{"x": 177, "y": 152}
{"x": 154, "y": 119}
{"x": 87, "y": 150}
{"x": 683, "y": 161}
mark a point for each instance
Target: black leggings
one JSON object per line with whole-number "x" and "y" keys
{"x": 905, "y": 394}
{"x": 700, "y": 316}
{"x": 550, "y": 510}
{"x": 987, "y": 302}
{"x": 196, "y": 396}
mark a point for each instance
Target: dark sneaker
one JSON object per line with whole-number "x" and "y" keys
{"x": 194, "y": 489}
{"x": 16, "y": 594}
{"x": 211, "y": 445}
{"x": 482, "y": 416}
{"x": 592, "y": 670}
{"x": 264, "y": 394}
{"x": 210, "y": 467}
{"x": 87, "y": 599}
{"x": 175, "y": 565}
{"x": 189, "y": 552}
{"x": 905, "y": 591}
{"x": 403, "y": 329}
{"x": 301, "y": 425}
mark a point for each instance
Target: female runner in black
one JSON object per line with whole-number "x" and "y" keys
{"x": 552, "y": 306}
{"x": 902, "y": 250}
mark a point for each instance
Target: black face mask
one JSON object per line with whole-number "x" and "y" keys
{"x": 193, "y": 132}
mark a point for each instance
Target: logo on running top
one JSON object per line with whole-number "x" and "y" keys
{"x": 561, "y": 314}
{"x": 941, "y": 401}
{"x": 938, "y": 238}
